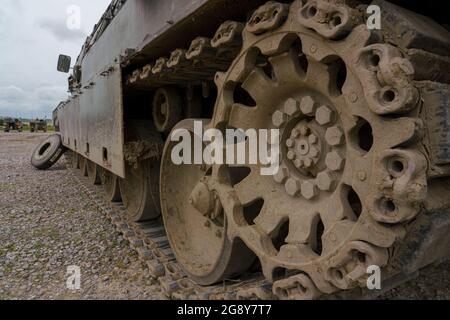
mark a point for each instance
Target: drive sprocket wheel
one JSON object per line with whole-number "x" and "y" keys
{"x": 349, "y": 175}
{"x": 194, "y": 221}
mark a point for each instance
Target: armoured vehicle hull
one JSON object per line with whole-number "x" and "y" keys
{"x": 363, "y": 118}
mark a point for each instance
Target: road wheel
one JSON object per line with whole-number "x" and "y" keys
{"x": 111, "y": 185}
{"x": 93, "y": 172}
{"x": 140, "y": 188}
{"x": 83, "y": 165}
{"x": 73, "y": 159}
{"x": 196, "y": 224}
{"x": 48, "y": 152}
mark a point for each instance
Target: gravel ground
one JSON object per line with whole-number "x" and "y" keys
{"x": 47, "y": 224}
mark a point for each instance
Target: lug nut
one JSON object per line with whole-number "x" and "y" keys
{"x": 291, "y": 155}
{"x": 293, "y": 187}
{"x": 325, "y": 181}
{"x": 313, "y": 152}
{"x": 304, "y": 130}
{"x": 334, "y": 136}
{"x": 309, "y": 190}
{"x": 279, "y": 119}
{"x": 307, "y": 163}
{"x": 292, "y": 107}
{"x": 334, "y": 161}
{"x": 313, "y": 139}
{"x": 324, "y": 115}
{"x": 308, "y": 106}
{"x": 295, "y": 133}
{"x": 282, "y": 175}
{"x": 298, "y": 163}
{"x": 290, "y": 143}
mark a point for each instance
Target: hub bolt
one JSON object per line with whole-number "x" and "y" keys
{"x": 293, "y": 187}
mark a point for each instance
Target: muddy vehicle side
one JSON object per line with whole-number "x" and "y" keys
{"x": 363, "y": 120}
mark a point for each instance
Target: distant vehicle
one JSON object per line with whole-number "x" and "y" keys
{"x": 38, "y": 125}
{"x": 12, "y": 124}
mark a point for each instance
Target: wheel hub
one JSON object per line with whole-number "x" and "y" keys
{"x": 313, "y": 146}
{"x": 304, "y": 148}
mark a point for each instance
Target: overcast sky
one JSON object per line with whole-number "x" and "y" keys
{"x": 32, "y": 35}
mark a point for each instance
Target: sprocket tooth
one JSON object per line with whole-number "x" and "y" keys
{"x": 304, "y": 231}
{"x": 403, "y": 131}
{"x": 285, "y": 65}
{"x": 259, "y": 86}
{"x": 268, "y": 221}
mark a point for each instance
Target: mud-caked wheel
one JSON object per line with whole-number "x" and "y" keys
{"x": 195, "y": 223}
{"x": 140, "y": 188}
{"x": 138, "y": 191}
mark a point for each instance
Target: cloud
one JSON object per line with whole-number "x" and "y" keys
{"x": 32, "y": 35}
{"x": 16, "y": 101}
{"x": 59, "y": 29}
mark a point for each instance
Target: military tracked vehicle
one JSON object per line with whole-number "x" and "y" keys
{"x": 363, "y": 115}
{"x": 11, "y": 124}
{"x": 38, "y": 125}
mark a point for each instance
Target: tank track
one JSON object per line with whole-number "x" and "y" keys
{"x": 149, "y": 241}
{"x": 198, "y": 65}
{"x": 151, "y": 245}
